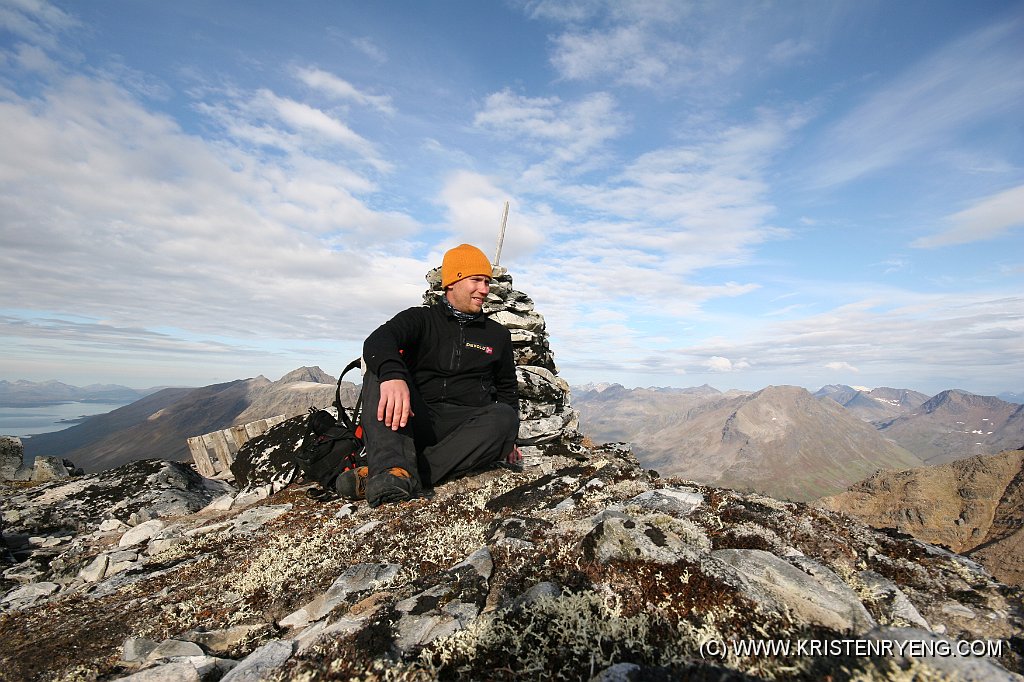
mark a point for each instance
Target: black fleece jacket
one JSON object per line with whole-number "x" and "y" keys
{"x": 462, "y": 363}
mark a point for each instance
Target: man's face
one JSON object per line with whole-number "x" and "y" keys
{"x": 468, "y": 295}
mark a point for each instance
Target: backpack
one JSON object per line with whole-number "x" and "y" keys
{"x": 332, "y": 445}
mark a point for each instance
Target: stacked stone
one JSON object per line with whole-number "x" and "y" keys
{"x": 548, "y": 424}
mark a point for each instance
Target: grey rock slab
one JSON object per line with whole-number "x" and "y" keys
{"x": 424, "y": 602}
{"x": 546, "y": 429}
{"x": 354, "y": 579}
{"x": 112, "y": 525}
{"x": 419, "y": 630}
{"x": 186, "y": 669}
{"x": 481, "y": 561}
{"x": 540, "y": 385}
{"x": 96, "y": 569}
{"x": 251, "y": 496}
{"x": 175, "y": 671}
{"x": 822, "y": 598}
{"x": 136, "y": 649}
{"x": 163, "y": 543}
{"x": 253, "y": 518}
{"x": 262, "y": 663}
{"x": 122, "y": 556}
{"x": 530, "y": 320}
{"x": 175, "y": 648}
{"x": 27, "y": 595}
{"x": 346, "y": 511}
{"x": 222, "y": 503}
{"x": 121, "y": 561}
{"x": 538, "y": 591}
{"x": 345, "y": 625}
{"x": 678, "y": 501}
{"x": 141, "y": 533}
{"x": 222, "y": 641}
{"x": 954, "y": 608}
{"x": 628, "y": 539}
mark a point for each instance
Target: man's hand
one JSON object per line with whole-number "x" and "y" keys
{"x": 395, "y": 406}
{"x": 515, "y": 457}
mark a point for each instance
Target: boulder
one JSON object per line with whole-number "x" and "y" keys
{"x": 817, "y": 594}
{"x": 12, "y": 457}
{"x": 49, "y": 469}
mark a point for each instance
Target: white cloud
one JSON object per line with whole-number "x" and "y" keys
{"x": 624, "y": 52}
{"x": 150, "y": 227}
{"x": 32, "y": 58}
{"x": 561, "y": 10}
{"x": 958, "y": 87}
{"x": 370, "y": 48}
{"x": 339, "y": 88}
{"x": 789, "y": 50}
{"x": 38, "y": 22}
{"x": 841, "y": 367}
{"x": 719, "y": 364}
{"x": 888, "y": 338}
{"x": 667, "y": 47}
{"x": 986, "y": 219}
{"x": 566, "y": 133}
{"x": 303, "y": 117}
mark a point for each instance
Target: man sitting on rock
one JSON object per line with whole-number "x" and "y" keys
{"x": 443, "y": 380}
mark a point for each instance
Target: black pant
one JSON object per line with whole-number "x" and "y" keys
{"x": 441, "y": 441}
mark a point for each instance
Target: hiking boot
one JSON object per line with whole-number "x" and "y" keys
{"x": 394, "y": 485}
{"x": 351, "y": 484}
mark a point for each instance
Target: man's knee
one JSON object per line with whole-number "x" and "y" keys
{"x": 506, "y": 418}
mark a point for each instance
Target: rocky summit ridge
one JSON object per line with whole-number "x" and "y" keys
{"x": 579, "y": 567}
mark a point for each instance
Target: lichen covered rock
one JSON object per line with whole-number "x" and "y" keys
{"x": 578, "y": 568}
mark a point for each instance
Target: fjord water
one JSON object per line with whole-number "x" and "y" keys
{"x": 26, "y": 421}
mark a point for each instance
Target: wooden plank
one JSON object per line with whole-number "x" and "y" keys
{"x": 239, "y": 437}
{"x": 201, "y": 457}
{"x": 220, "y": 447}
{"x": 256, "y": 428}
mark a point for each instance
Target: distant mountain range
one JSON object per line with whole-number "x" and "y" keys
{"x": 955, "y": 424}
{"x": 873, "y": 404}
{"x": 782, "y": 440}
{"x": 786, "y": 442}
{"x": 158, "y": 425}
{"x": 23, "y": 393}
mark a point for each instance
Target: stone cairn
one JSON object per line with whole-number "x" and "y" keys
{"x": 548, "y": 424}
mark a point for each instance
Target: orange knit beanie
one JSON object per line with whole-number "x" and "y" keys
{"x": 461, "y": 262}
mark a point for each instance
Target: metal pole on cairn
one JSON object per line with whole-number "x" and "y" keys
{"x": 501, "y": 235}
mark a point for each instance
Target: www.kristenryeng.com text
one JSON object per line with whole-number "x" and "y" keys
{"x": 914, "y": 648}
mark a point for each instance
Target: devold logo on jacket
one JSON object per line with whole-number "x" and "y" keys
{"x": 477, "y": 346}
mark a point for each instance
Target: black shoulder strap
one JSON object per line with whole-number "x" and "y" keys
{"x": 342, "y": 414}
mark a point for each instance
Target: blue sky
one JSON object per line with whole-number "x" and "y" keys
{"x": 734, "y": 193}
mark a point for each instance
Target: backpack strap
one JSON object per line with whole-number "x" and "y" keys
{"x": 342, "y": 414}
